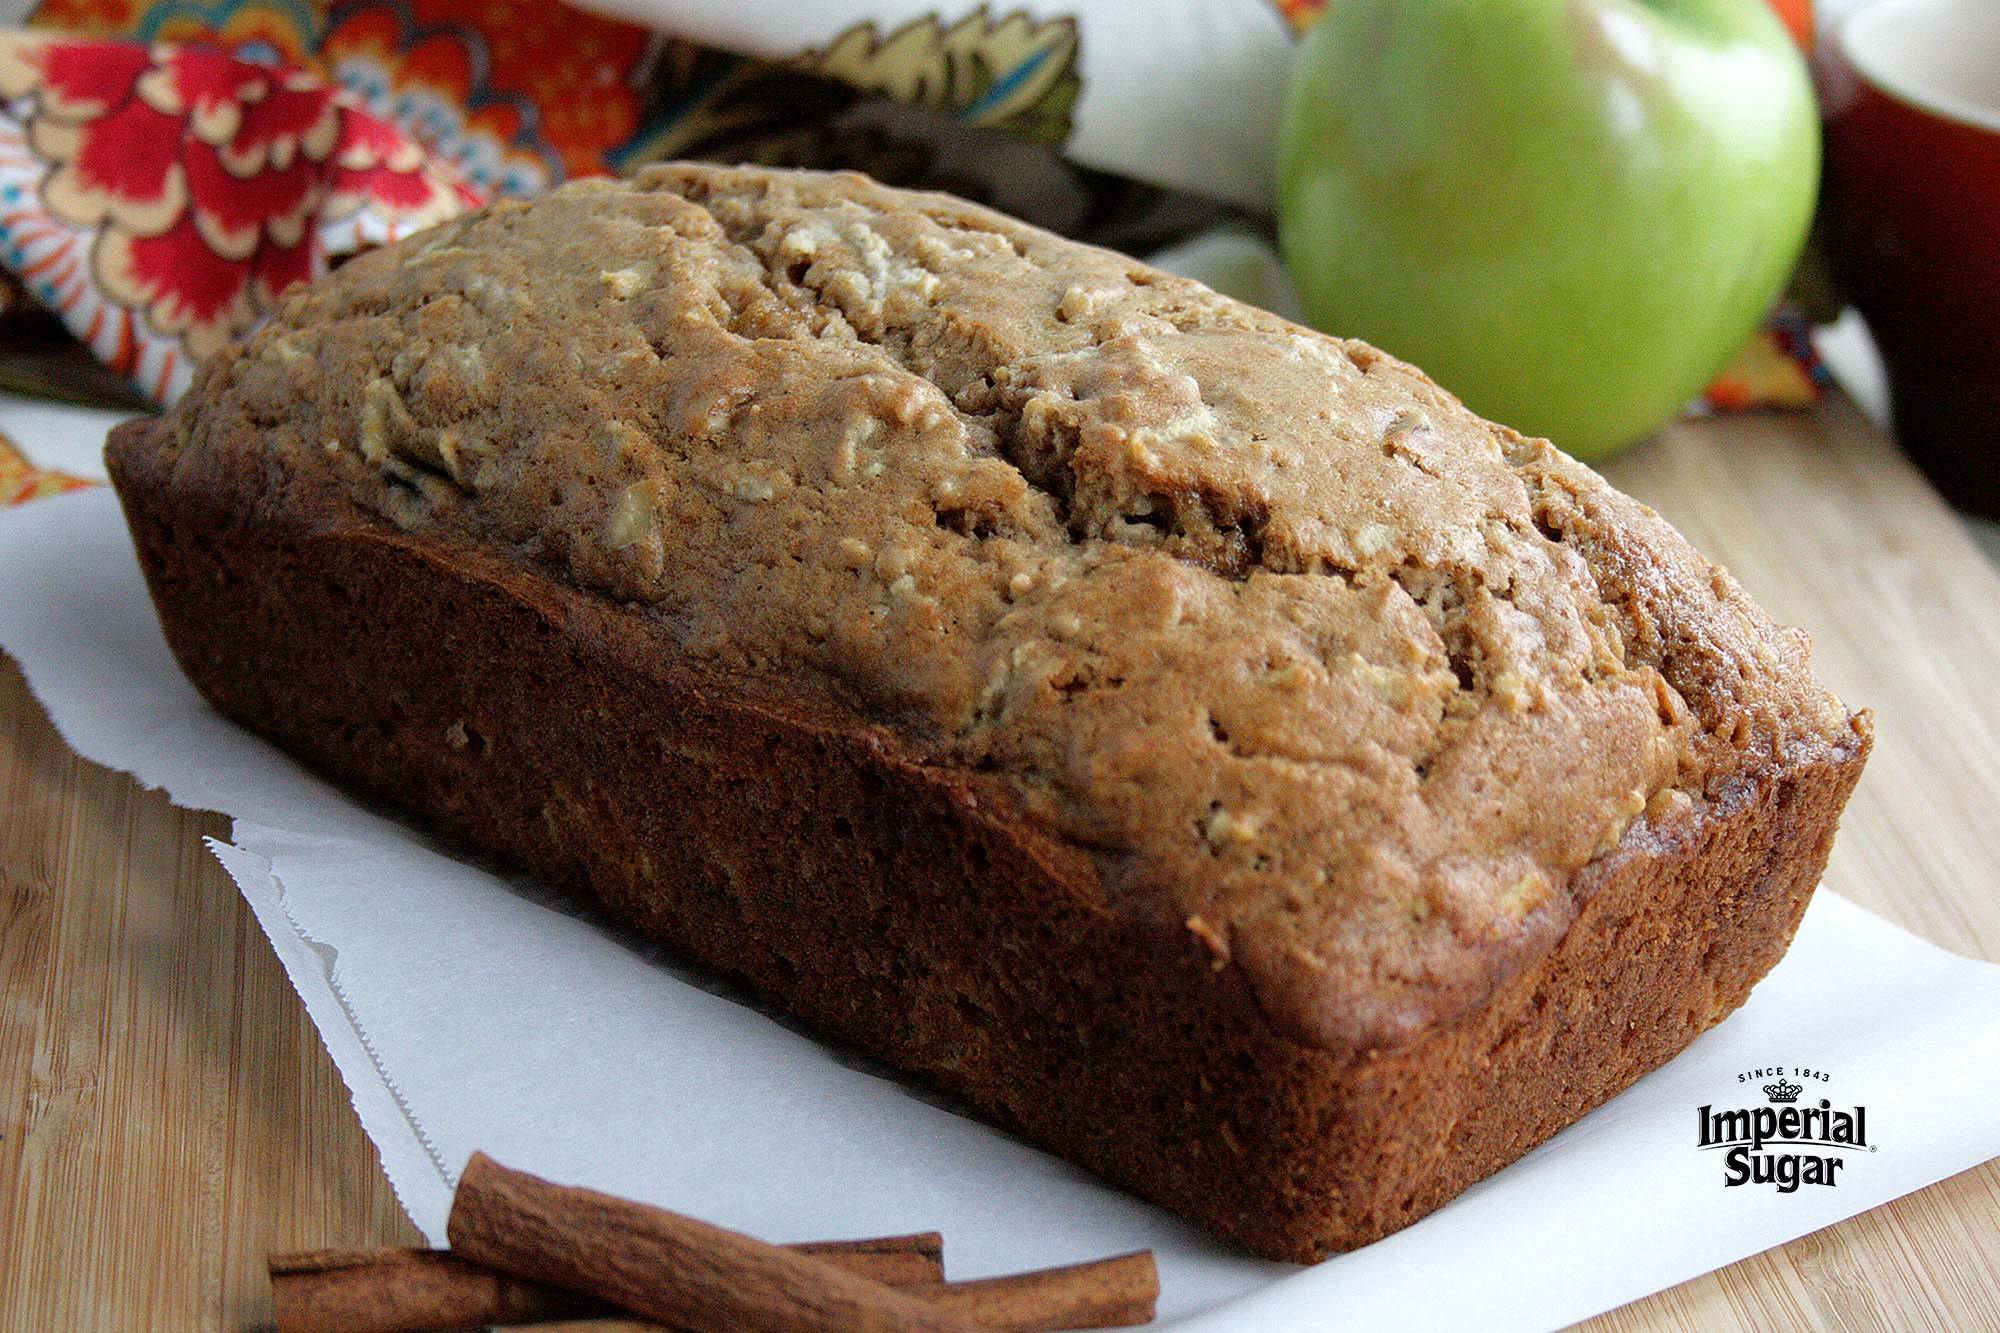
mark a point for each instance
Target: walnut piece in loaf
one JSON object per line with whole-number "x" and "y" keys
{"x": 1200, "y": 742}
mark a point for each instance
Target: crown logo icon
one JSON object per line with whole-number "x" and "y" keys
{"x": 1781, "y": 1091}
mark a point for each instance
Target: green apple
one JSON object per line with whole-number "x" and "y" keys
{"x": 1569, "y": 212}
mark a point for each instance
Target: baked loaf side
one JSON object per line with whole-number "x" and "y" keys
{"x": 1346, "y": 680}
{"x": 912, "y": 910}
{"x": 1199, "y": 742}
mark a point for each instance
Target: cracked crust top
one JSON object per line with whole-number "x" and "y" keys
{"x": 1311, "y": 660}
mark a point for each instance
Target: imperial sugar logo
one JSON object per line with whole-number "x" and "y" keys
{"x": 1795, "y": 1139}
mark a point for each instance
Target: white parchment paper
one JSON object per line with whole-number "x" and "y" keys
{"x": 466, "y": 1009}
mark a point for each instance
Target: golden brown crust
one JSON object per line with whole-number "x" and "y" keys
{"x": 1201, "y": 743}
{"x": 906, "y": 906}
{"x": 1318, "y": 669}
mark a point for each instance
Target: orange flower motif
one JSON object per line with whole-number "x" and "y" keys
{"x": 485, "y": 85}
{"x": 21, "y": 481}
{"x": 275, "y": 31}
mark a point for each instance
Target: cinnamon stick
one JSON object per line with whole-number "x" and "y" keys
{"x": 665, "y": 1266}
{"x": 895, "y": 1261}
{"x": 390, "y": 1290}
{"x": 1106, "y": 1293}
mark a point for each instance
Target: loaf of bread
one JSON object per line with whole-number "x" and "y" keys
{"x": 1200, "y": 743}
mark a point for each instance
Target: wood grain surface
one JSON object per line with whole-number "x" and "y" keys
{"x": 167, "y": 1115}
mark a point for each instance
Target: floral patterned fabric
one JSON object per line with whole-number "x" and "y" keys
{"x": 520, "y": 95}
{"x": 159, "y": 198}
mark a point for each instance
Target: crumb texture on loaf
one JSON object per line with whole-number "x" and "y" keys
{"x": 1306, "y": 655}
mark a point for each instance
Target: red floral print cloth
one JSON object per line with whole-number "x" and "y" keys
{"x": 159, "y": 198}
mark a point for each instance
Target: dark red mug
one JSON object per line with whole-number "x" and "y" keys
{"x": 1912, "y": 91}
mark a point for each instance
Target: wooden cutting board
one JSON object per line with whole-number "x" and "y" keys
{"x": 168, "y": 1116}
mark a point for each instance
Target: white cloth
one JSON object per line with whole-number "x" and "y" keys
{"x": 1184, "y": 93}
